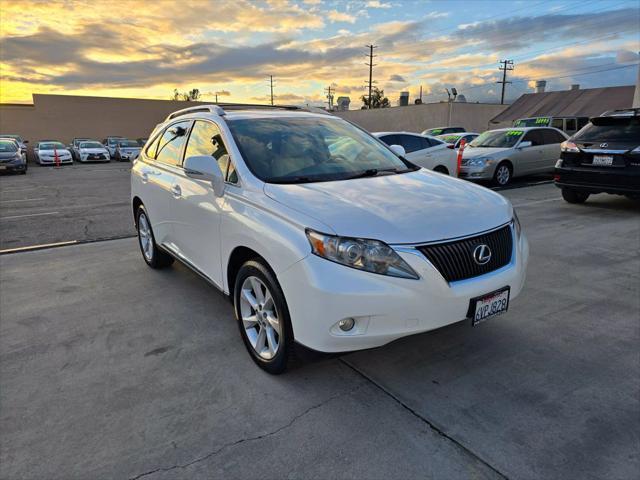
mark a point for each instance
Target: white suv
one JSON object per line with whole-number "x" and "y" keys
{"x": 318, "y": 232}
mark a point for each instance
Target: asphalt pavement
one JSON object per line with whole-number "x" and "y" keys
{"x": 112, "y": 370}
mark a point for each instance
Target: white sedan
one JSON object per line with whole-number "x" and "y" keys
{"x": 425, "y": 151}
{"x": 93, "y": 152}
{"x": 47, "y": 151}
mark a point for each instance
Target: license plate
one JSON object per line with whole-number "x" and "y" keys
{"x": 489, "y": 305}
{"x": 3, "y": 167}
{"x": 602, "y": 160}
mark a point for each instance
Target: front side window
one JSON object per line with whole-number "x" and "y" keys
{"x": 171, "y": 143}
{"x": 206, "y": 139}
{"x": 551, "y": 136}
{"x": 302, "y": 150}
{"x": 498, "y": 138}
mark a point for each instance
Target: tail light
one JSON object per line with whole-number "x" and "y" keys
{"x": 451, "y": 146}
{"x": 568, "y": 146}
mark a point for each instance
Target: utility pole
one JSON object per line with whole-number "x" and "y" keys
{"x": 371, "y": 65}
{"x": 271, "y": 85}
{"x": 504, "y": 66}
{"x": 329, "y": 93}
{"x": 216, "y": 94}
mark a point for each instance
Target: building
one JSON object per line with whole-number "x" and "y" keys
{"x": 587, "y": 102}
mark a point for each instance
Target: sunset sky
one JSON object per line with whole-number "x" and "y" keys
{"x": 129, "y": 48}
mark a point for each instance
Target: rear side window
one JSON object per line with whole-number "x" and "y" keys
{"x": 206, "y": 139}
{"x": 171, "y": 142}
{"x": 570, "y": 124}
{"x": 411, "y": 143}
{"x": 390, "y": 139}
{"x": 535, "y": 137}
{"x": 557, "y": 123}
{"x": 551, "y": 136}
{"x": 619, "y": 129}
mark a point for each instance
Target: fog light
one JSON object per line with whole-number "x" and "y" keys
{"x": 346, "y": 324}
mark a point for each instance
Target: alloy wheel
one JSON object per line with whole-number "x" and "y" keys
{"x": 503, "y": 174}
{"x": 260, "y": 318}
{"x": 146, "y": 239}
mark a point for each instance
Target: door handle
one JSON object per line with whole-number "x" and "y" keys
{"x": 176, "y": 190}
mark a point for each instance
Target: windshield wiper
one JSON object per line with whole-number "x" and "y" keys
{"x": 373, "y": 172}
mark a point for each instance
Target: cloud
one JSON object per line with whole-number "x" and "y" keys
{"x": 378, "y": 4}
{"x": 397, "y": 78}
{"x": 432, "y": 15}
{"x": 336, "y": 16}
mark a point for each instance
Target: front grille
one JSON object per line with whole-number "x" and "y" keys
{"x": 454, "y": 260}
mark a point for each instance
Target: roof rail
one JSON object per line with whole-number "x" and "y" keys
{"x": 200, "y": 108}
{"x": 253, "y": 106}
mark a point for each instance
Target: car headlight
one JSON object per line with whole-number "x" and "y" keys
{"x": 516, "y": 224}
{"x": 477, "y": 162}
{"x": 368, "y": 255}
{"x": 636, "y": 150}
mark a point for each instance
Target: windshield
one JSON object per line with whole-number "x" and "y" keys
{"x": 18, "y": 138}
{"x": 299, "y": 150}
{"x": 52, "y": 145}
{"x": 449, "y": 138}
{"x": 611, "y": 129}
{"x": 128, "y": 143}
{"x": 91, "y": 145}
{"x": 8, "y": 147}
{"x": 498, "y": 139}
{"x": 532, "y": 122}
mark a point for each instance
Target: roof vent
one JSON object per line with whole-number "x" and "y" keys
{"x": 540, "y": 86}
{"x": 575, "y": 86}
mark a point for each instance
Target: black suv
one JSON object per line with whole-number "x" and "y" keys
{"x": 602, "y": 157}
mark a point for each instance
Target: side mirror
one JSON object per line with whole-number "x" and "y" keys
{"x": 205, "y": 167}
{"x": 398, "y": 150}
{"x": 525, "y": 144}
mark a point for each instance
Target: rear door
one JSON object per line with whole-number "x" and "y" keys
{"x": 197, "y": 212}
{"x": 552, "y": 141}
{"x": 530, "y": 159}
{"x": 157, "y": 174}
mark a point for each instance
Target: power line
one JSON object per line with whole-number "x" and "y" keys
{"x": 371, "y": 65}
{"x": 505, "y": 65}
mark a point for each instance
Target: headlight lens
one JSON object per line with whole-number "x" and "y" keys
{"x": 368, "y": 255}
{"x": 516, "y": 224}
{"x": 477, "y": 162}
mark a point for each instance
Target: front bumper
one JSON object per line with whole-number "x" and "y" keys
{"x": 51, "y": 161}
{"x": 599, "y": 180}
{"x": 13, "y": 167}
{"x": 477, "y": 172}
{"x": 320, "y": 293}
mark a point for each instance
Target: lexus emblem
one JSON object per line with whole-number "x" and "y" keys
{"x": 604, "y": 145}
{"x": 482, "y": 254}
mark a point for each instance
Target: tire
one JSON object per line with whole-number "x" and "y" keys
{"x": 502, "y": 175}
{"x": 574, "y": 196}
{"x": 258, "y": 296}
{"x": 152, "y": 255}
{"x": 441, "y": 169}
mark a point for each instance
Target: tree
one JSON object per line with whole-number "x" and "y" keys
{"x": 192, "y": 95}
{"x": 378, "y": 100}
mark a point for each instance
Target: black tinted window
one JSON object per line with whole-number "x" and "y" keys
{"x": 551, "y": 136}
{"x": 534, "y": 136}
{"x": 411, "y": 143}
{"x": 390, "y": 139}
{"x": 171, "y": 143}
{"x": 570, "y": 124}
{"x": 610, "y": 129}
{"x": 205, "y": 139}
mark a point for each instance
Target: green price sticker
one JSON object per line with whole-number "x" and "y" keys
{"x": 515, "y": 132}
{"x": 437, "y": 131}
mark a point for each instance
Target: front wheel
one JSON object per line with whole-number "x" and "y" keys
{"x": 263, "y": 317}
{"x": 502, "y": 175}
{"x": 153, "y": 256}
{"x": 574, "y": 196}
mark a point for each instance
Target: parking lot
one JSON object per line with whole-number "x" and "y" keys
{"x": 110, "y": 369}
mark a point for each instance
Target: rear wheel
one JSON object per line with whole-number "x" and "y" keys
{"x": 263, "y": 317}
{"x": 441, "y": 169}
{"x": 502, "y": 175}
{"x": 154, "y": 257}
{"x": 574, "y": 196}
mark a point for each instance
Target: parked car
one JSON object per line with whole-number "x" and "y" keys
{"x": 427, "y": 152}
{"x": 74, "y": 145}
{"x": 442, "y": 130}
{"x": 502, "y": 154}
{"x": 126, "y": 150}
{"x": 46, "y": 151}
{"x": 111, "y": 143}
{"x": 92, "y": 151}
{"x": 334, "y": 252}
{"x": 11, "y": 158}
{"x": 603, "y": 157}
{"x": 568, "y": 125}
{"x": 22, "y": 143}
{"x": 453, "y": 139}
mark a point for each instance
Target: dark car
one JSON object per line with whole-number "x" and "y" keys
{"x": 434, "y": 132}
{"x": 11, "y": 158}
{"x": 603, "y": 157}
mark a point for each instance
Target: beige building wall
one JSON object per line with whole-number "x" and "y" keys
{"x": 63, "y": 117}
{"x": 474, "y": 117}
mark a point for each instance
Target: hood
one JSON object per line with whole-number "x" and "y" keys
{"x": 406, "y": 208}
{"x": 93, "y": 150}
{"x": 474, "y": 152}
{"x": 5, "y": 155}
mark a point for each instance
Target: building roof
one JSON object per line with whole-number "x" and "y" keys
{"x": 588, "y": 102}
